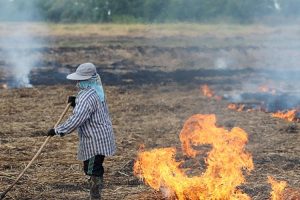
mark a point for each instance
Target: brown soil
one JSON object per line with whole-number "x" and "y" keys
{"x": 151, "y": 91}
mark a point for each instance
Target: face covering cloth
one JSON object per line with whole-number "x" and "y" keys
{"x": 95, "y": 83}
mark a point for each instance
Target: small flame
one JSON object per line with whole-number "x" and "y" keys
{"x": 237, "y": 107}
{"x": 263, "y": 88}
{"x": 207, "y": 91}
{"x": 159, "y": 169}
{"x": 267, "y": 89}
{"x": 232, "y": 106}
{"x": 290, "y": 115}
{"x": 277, "y": 188}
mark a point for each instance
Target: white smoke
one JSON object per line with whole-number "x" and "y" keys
{"x": 220, "y": 63}
{"x": 19, "y": 58}
{"x": 277, "y": 5}
{"x": 18, "y": 42}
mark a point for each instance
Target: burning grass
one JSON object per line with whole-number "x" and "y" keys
{"x": 267, "y": 100}
{"x": 208, "y": 92}
{"x": 224, "y": 163}
{"x": 150, "y": 115}
{"x": 289, "y": 115}
{"x": 277, "y": 188}
{"x": 155, "y": 89}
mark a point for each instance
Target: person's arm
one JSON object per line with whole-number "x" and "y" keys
{"x": 81, "y": 113}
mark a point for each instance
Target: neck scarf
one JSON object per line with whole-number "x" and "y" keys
{"x": 95, "y": 83}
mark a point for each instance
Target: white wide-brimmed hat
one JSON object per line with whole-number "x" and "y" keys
{"x": 83, "y": 72}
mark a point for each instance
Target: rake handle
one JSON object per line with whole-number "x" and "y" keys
{"x": 36, "y": 155}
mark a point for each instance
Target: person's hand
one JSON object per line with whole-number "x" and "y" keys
{"x": 71, "y": 100}
{"x": 51, "y": 132}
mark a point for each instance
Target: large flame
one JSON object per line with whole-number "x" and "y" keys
{"x": 290, "y": 115}
{"x": 225, "y": 163}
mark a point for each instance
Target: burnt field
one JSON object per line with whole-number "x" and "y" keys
{"x": 152, "y": 79}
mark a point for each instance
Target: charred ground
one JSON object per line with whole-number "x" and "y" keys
{"x": 152, "y": 87}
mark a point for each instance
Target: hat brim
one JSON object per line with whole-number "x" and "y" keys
{"x": 74, "y": 76}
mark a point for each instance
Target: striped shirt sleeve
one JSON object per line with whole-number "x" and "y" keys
{"x": 81, "y": 113}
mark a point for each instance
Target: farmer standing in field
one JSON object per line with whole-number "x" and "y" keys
{"x": 92, "y": 120}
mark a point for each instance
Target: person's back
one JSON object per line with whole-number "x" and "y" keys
{"x": 97, "y": 129}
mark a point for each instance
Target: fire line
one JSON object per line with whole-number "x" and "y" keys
{"x": 226, "y": 164}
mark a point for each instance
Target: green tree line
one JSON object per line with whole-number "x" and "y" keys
{"x": 145, "y": 10}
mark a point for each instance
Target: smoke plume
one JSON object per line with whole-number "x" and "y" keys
{"x": 18, "y": 42}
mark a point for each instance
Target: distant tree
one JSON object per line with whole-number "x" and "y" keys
{"x": 182, "y": 10}
{"x": 247, "y": 10}
{"x": 153, "y": 9}
{"x": 101, "y": 10}
{"x": 54, "y": 9}
{"x": 244, "y": 11}
{"x": 290, "y": 8}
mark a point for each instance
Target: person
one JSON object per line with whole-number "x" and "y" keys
{"x": 93, "y": 123}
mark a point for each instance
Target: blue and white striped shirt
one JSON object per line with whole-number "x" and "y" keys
{"x": 91, "y": 118}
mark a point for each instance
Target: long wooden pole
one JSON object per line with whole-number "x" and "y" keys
{"x": 36, "y": 155}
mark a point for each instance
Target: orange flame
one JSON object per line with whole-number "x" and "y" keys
{"x": 159, "y": 169}
{"x": 237, "y": 107}
{"x": 232, "y": 106}
{"x": 207, "y": 91}
{"x": 290, "y": 115}
{"x": 277, "y": 188}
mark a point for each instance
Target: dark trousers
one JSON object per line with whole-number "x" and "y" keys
{"x": 94, "y": 166}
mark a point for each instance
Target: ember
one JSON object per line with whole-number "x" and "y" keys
{"x": 159, "y": 169}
